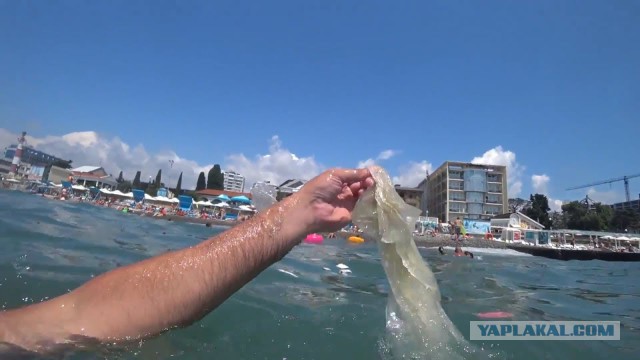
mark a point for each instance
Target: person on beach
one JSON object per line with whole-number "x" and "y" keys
{"x": 177, "y": 288}
{"x": 458, "y": 228}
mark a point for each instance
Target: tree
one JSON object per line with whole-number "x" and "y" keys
{"x": 626, "y": 219}
{"x": 581, "y": 216}
{"x": 124, "y": 186}
{"x": 201, "y": 185}
{"x": 215, "y": 178}
{"x": 136, "y": 181}
{"x": 219, "y": 183}
{"x": 120, "y": 178}
{"x": 558, "y": 220}
{"x": 539, "y": 210}
{"x": 152, "y": 189}
{"x": 158, "y": 182}
{"x": 179, "y": 186}
{"x": 62, "y": 164}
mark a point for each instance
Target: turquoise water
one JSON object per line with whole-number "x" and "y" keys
{"x": 50, "y": 247}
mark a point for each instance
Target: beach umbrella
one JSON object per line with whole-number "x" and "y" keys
{"x": 245, "y": 208}
{"x": 221, "y": 204}
{"x": 241, "y": 199}
{"x": 222, "y": 197}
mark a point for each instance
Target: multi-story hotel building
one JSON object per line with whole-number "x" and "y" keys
{"x": 468, "y": 191}
{"x": 233, "y": 181}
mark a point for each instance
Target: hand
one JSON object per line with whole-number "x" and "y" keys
{"x": 331, "y": 196}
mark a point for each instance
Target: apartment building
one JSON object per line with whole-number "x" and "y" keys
{"x": 233, "y": 181}
{"x": 468, "y": 191}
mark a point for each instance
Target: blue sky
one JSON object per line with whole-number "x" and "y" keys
{"x": 557, "y": 83}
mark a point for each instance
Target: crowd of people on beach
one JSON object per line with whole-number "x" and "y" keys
{"x": 142, "y": 208}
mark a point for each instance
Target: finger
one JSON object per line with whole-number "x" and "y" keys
{"x": 350, "y": 176}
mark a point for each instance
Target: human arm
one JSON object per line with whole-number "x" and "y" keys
{"x": 177, "y": 288}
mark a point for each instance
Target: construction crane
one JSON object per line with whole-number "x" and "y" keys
{"x": 624, "y": 178}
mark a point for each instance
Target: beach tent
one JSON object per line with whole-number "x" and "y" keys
{"x": 241, "y": 199}
{"x": 138, "y": 195}
{"x": 185, "y": 202}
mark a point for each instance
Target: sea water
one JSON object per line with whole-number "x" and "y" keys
{"x": 303, "y": 307}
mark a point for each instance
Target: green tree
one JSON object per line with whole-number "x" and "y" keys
{"x": 626, "y": 219}
{"x": 124, "y": 186}
{"x": 158, "y": 182}
{"x": 202, "y": 184}
{"x": 62, "y": 164}
{"x": 120, "y": 178}
{"x": 136, "y": 181}
{"x": 580, "y": 216}
{"x": 219, "y": 179}
{"x": 151, "y": 189}
{"x": 558, "y": 220}
{"x": 215, "y": 178}
{"x": 179, "y": 185}
{"x": 539, "y": 210}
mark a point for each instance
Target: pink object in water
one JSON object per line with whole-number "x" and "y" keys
{"x": 314, "y": 239}
{"x": 494, "y": 315}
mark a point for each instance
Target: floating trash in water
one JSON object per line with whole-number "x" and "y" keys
{"x": 326, "y": 268}
{"x": 344, "y": 271}
{"x": 288, "y": 272}
{"x": 342, "y": 266}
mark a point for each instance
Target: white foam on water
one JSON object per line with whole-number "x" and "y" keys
{"x": 288, "y": 272}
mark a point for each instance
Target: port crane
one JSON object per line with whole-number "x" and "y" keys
{"x": 610, "y": 181}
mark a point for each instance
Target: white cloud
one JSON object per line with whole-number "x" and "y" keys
{"x": 384, "y": 155}
{"x": 555, "y": 205}
{"x": 540, "y": 183}
{"x": 411, "y": 174}
{"x": 498, "y": 156}
{"x": 90, "y": 148}
{"x": 276, "y": 166}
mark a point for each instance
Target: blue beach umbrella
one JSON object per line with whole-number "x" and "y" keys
{"x": 223, "y": 197}
{"x": 241, "y": 199}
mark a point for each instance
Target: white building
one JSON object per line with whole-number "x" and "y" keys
{"x": 290, "y": 187}
{"x": 467, "y": 191}
{"x": 233, "y": 181}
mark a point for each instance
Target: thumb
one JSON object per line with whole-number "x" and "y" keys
{"x": 350, "y": 176}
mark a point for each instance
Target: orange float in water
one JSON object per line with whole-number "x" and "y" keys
{"x": 356, "y": 239}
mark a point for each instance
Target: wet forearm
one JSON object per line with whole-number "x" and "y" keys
{"x": 177, "y": 288}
